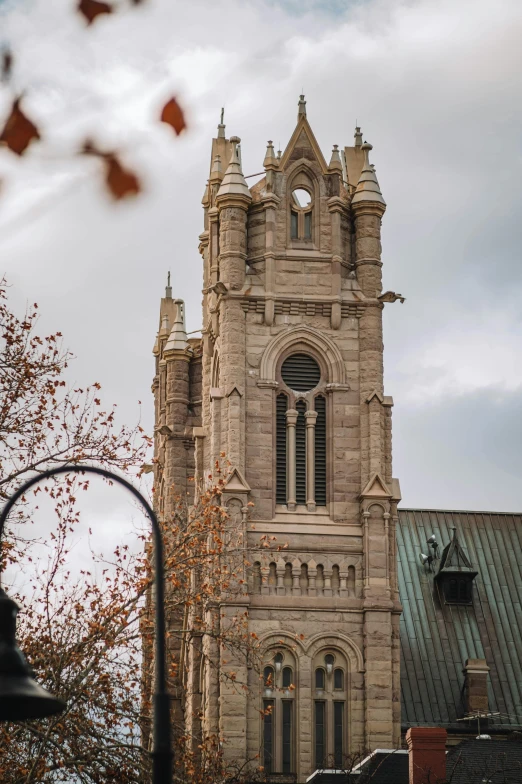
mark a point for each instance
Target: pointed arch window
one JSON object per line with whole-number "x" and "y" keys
{"x": 301, "y": 434}
{"x": 301, "y": 208}
{"x": 278, "y": 715}
{"x": 330, "y": 697}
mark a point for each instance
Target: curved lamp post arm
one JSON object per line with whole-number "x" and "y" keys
{"x": 161, "y": 751}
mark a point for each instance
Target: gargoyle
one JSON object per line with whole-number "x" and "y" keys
{"x": 391, "y": 296}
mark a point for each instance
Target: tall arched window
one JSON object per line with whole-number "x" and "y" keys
{"x": 278, "y": 714}
{"x": 301, "y": 434}
{"x": 301, "y": 214}
{"x": 329, "y": 711}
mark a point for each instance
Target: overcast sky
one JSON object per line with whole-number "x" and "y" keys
{"x": 435, "y": 85}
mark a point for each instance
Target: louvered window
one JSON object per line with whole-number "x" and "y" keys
{"x": 281, "y": 406}
{"x": 300, "y": 454}
{"x": 300, "y": 436}
{"x": 300, "y": 372}
{"x": 320, "y": 451}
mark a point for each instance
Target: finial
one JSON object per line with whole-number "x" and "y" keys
{"x": 221, "y": 126}
{"x": 302, "y": 107}
{"x": 357, "y": 135}
{"x": 168, "y": 287}
{"x": 270, "y": 158}
{"x": 335, "y": 161}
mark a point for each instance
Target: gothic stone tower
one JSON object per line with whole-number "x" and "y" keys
{"x": 288, "y": 383}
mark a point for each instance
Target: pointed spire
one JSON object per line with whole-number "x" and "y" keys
{"x": 216, "y": 173}
{"x": 233, "y": 183}
{"x": 335, "y": 160}
{"x": 357, "y": 136}
{"x": 168, "y": 287}
{"x": 164, "y": 328}
{"x": 270, "y": 158}
{"x": 368, "y": 189}
{"x": 302, "y": 107}
{"x": 221, "y": 126}
{"x": 178, "y": 335}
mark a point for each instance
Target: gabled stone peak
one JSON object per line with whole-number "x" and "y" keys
{"x": 303, "y": 136}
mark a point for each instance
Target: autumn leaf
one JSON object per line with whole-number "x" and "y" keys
{"x": 173, "y": 116}
{"x": 90, "y": 9}
{"x": 121, "y": 182}
{"x": 18, "y": 131}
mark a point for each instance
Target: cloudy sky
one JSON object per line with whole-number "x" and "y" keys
{"x": 436, "y": 86}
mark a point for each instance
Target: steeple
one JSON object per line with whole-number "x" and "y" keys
{"x": 234, "y": 183}
{"x": 301, "y": 112}
{"x": 178, "y": 335}
{"x": 368, "y": 189}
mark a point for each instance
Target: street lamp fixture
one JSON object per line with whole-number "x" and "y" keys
{"x": 22, "y": 698}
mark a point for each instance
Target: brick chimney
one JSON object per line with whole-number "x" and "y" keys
{"x": 476, "y": 686}
{"x": 427, "y": 754}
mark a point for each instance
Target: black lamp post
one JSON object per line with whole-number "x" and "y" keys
{"x": 22, "y": 698}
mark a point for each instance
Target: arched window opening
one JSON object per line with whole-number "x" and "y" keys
{"x": 320, "y": 451}
{"x": 301, "y": 215}
{"x": 330, "y": 731}
{"x": 303, "y": 579}
{"x": 272, "y": 574}
{"x": 351, "y": 581}
{"x": 300, "y": 454}
{"x": 287, "y": 677}
{"x": 278, "y": 717}
{"x": 300, "y": 435}
{"x": 281, "y": 407}
{"x": 319, "y": 580}
{"x": 268, "y": 677}
{"x": 336, "y": 580}
{"x": 256, "y": 577}
{"x": 287, "y": 579}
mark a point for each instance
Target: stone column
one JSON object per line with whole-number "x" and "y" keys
{"x": 291, "y": 422}
{"x": 310, "y": 417}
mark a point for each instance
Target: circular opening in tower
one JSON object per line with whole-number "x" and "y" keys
{"x": 302, "y": 198}
{"x": 300, "y": 372}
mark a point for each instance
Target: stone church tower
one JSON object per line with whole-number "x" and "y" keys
{"x": 287, "y": 381}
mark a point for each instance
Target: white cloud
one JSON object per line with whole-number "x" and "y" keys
{"x": 436, "y": 85}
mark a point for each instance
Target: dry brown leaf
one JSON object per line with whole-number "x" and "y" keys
{"x": 18, "y": 131}
{"x": 90, "y": 9}
{"x": 173, "y": 116}
{"x": 121, "y": 182}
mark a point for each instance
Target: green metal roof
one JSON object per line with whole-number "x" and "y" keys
{"x": 437, "y": 638}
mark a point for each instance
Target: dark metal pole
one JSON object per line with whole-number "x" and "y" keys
{"x": 161, "y": 749}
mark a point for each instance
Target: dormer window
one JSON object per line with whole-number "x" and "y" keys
{"x": 301, "y": 215}
{"x": 456, "y": 574}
